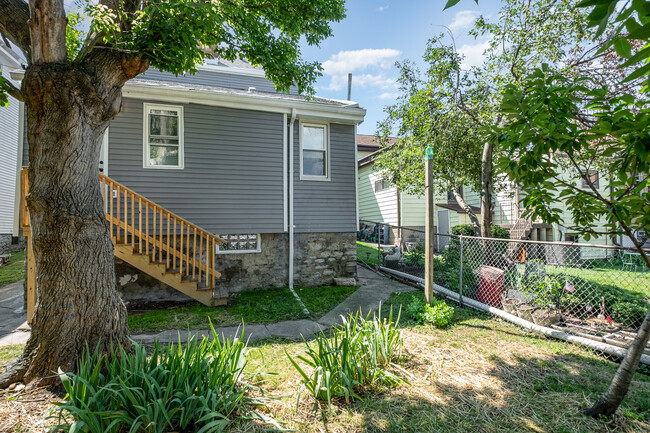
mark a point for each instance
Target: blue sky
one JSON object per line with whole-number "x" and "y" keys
{"x": 376, "y": 33}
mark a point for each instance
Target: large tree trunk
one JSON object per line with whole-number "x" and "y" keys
{"x": 67, "y": 114}
{"x": 609, "y": 402}
{"x": 486, "y": 190}
{"x": 467, "y": 208}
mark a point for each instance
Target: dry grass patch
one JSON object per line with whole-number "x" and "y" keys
{"x": 481, "y": 375}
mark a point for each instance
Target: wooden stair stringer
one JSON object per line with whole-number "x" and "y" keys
{"x": 158, "y": 271}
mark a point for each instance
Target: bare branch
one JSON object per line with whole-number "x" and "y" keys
{"x": 14, "y": 17}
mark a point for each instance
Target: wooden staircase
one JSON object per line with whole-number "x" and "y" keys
{"x": 519, "y": 231}
{"x": 149, "y": 238}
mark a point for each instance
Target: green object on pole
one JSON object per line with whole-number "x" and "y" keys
{"x": 428, "y": 153}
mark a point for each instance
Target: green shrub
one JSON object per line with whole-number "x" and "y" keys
{"x": 468, "y": 230}
{"x": 438, "y": 314}
{"x": 416, "y": 256}
{"x": 196, "y": 386}
{"x": 353, "y": 358}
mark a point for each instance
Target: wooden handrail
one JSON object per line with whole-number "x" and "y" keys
{"x": 164, "y": 236}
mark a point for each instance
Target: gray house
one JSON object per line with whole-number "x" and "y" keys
{"x": 222, "y": 153}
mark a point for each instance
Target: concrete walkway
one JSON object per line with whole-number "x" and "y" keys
{"x": 373, "y": 289}
{"x": 13, "y": 316}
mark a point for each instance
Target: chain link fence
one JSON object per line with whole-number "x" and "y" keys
{"x": 595, "y": 291}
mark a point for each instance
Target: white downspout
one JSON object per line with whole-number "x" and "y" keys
{"x": 291, "y": 174}
{"x": 356, "y": 176}
{"x": 291, "y": 222}
{"x": 285, "y": 200}
{"x": 19, "y": 167}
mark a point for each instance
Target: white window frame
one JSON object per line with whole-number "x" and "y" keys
{"x": 181, "y": 132}
{"x": 256, "y": 250}
{"x": 326, "y": 135}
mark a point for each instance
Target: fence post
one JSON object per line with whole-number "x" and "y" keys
{"x": 379, "y": 234}
{"x": 460, "y": 278}
{"x": 428, "y": 221}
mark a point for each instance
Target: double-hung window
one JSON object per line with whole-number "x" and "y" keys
{"x": 163, "y": 136}
{"x": 314, "y": 152}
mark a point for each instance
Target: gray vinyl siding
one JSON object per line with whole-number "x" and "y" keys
{"x": 327, "y": 206}
{"x": 216, "y": 78}
{"x": 8, "y": 155}
{"x": 232, "y": 180}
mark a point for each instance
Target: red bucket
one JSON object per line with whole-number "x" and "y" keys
{"x": 490, "y": 286}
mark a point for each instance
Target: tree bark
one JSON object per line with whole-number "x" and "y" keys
{"x": 608, "y": 403}
{"x": 486, "y": 189}
{"x": 16, "y": 27}
{"x": 68, "y": 111}
{"x": 467, "y": 208}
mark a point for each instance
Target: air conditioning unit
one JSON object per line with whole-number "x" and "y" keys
{"x": 641, "y": 236}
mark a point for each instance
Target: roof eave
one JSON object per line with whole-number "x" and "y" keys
{"x": 254, "y": 101}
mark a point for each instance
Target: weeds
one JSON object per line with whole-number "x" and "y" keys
{"x": 438, "y": 314}
{"x": 353, "y": 358}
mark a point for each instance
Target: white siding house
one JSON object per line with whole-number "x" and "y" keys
{"x": 9, "y": 136}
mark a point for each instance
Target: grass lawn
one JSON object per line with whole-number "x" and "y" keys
{"x": 638, "y": 282}
{"x": 253, "y": 306}
{"x": 14, "y": 269}
{"x": 363, "y": 249}
{"x": 480, "y": 375}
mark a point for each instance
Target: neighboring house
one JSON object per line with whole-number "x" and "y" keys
{"x": 367, "y": 144}
{"x": 272, "y": 174}
{"x": 9, "y": 144}
{"x": 381, "y": 202}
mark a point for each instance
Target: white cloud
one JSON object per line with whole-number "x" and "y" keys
{"x": 350, "y": 61}
{"x": 389, "y": 95}
{"x": 382, "y": 8}
{"x": 474, "y": 54}
{"x": 463, "y": 19}
{"x": 339, "y": 65}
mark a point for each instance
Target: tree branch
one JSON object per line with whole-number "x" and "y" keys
{"x": 14, "y": 17}
{"x": 14, "y": 91}
{"x": 47, "y": 26}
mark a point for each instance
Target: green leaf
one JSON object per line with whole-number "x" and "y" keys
{"x": 623, "y": 47}
{"x": 638, "y": 73}
{"x": 451, "y": 3}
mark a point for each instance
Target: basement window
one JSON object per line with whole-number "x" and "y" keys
{"x": 239, "y": 244}
{"x": 163, "y": 136}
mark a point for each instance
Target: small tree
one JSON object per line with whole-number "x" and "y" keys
{"x": 427, "y": 113}
{"x": 550, "y": 131}
{"x": 72, "y": 89}
{"x": 446, "y": 100}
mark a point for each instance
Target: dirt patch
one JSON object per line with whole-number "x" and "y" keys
{"x": 22, "y": 410}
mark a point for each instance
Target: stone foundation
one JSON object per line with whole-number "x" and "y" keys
{"x": 319, "y": 258}
{"x": 5, "y": 242}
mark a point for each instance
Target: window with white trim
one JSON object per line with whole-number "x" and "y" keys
{"x": 239, "y": 244}
{"x": 163, "y": 136}
{"x": 314, "y": 152}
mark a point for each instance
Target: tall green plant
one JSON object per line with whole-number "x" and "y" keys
{"x": 352, "y": 358}
{"x": 195, "y": 386}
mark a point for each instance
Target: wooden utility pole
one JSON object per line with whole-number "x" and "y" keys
{"x": 429, "y": 234}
